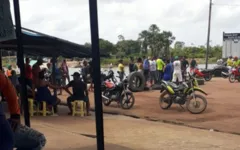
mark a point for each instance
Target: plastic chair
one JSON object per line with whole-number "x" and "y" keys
{"x": 75, "y": 110}
{"x": 44, "y": 110}
{"x": 31, "y": 107}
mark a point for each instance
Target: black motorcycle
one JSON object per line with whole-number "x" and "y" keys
{"x": 116, "y": 91}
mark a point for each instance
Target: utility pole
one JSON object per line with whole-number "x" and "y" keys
{"x": 96, "y": 73}
{"x": 208, "y": 35}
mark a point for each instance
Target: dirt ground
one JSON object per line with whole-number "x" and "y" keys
{"x": 126, "y": 133}
{"x": 221, "y": 114}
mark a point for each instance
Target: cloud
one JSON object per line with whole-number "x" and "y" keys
{"x": 187, "y": 19}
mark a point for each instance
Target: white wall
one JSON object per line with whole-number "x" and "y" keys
{"x": 230, "y": 48}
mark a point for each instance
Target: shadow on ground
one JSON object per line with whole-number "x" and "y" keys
{"x": 94, "y": 147}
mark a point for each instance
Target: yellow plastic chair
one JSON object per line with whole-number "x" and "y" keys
{"x": 75, "y": 110}
{"x": 31, "y": 107}
{"x": 44, "y": 111}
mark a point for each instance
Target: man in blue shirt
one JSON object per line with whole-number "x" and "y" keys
{"x": 168, "y": 71}
{"x": 146, "y": 66}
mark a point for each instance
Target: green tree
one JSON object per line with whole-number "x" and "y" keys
{"x": 128, "y": 47}
{"x": 179, "y": 45}
{"x": 121, "y": 37}
{"x": 104, "y": 45}
{"x": 107, "y": 46}
{"x": 143, "y": 38}
{"x": 157, "y": 42}
{"x": 87, "y": 44}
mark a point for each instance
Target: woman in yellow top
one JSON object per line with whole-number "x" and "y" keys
{"x": 121, "y": 70}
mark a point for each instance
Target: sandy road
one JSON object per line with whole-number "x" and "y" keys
{"x": 222, "y": 113}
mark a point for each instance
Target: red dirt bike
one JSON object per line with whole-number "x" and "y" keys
{"x": 206, "y": 73}
{"x": 235, "y": 75}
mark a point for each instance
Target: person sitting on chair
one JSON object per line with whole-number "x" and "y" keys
{"x": 43, "y": 93}
{"x": 80, "y": 92}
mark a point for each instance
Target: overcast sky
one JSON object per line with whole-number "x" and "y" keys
{"x": 187, "y": 19}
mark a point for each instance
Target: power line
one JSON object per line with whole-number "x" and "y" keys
{"x": 227, "y": 5}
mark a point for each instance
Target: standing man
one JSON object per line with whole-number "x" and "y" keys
{"x": 160, "y": 67}
{"x": 64, "y": 68}
{"x": 184, "y": 65}
{"x": 193, "y": 64}
{"x": 153, "y": 71}
{"x": 85, "y": 71}
{"x": 35, "y": 72}
{"x": 80, "y": 92}
{"x": 59, "y": 77}
{"x": 132, "y": 66}
{"x": 121, "y": 70}
{"x": 168, "y": 71}
{"x": 28, "y": 72}
{"x": 146, "y": 67}
{"x": 177, "y": 74}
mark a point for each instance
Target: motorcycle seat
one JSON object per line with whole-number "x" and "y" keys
{"x": 175, "y": 86}
{"x": 206, "y": 70}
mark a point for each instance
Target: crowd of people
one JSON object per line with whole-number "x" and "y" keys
{"x": 38, "y": 81}
{"x": 233, "y": 62}
{"x": 12, "y": 132}
{"x": 156, "y": 69}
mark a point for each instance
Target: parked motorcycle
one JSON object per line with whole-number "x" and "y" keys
{"x": 235, "y": 75}
{"x": 205, "y": 73}
{"x": 116, "y": 91}
{"x": 184, "y": 93}
{"x": 226, "y": 73}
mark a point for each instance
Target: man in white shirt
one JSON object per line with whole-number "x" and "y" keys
{"x": 153, "y": 71}
{"x": 177, "y": 74}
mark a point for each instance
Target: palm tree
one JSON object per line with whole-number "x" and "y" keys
{"x": 121, "y": 38}
{"x": 144, "y": 40}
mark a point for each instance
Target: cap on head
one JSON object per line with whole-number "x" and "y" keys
{"x": 76, "y": 74}
{"x": 176, "y": 57}
{"x": 9, "y": 67}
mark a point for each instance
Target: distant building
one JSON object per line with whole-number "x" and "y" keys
{"x": 231, "y": 45}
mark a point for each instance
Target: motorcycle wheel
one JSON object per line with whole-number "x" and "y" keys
{"x": 127, "y": 101}
{"x": 224, "y": 75}
{"x": 106, "y": 102}
{"x": 208, "y": 77}
{"x": 196, "y": 104}
{"x": 163, "y": 100}
{"x": 232, "y": 78}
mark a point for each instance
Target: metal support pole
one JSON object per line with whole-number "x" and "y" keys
{"x": 96, "y": 73}
{"x": 20, "y": 60}
{"x": 209, "y": 30}
{"x": 54, "y": 78}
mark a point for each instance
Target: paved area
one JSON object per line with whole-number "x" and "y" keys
{"x": 125, "y": 133}
{"x": 221, "y": 114}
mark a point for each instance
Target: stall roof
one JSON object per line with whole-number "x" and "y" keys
{"x": 39, "y": 44}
